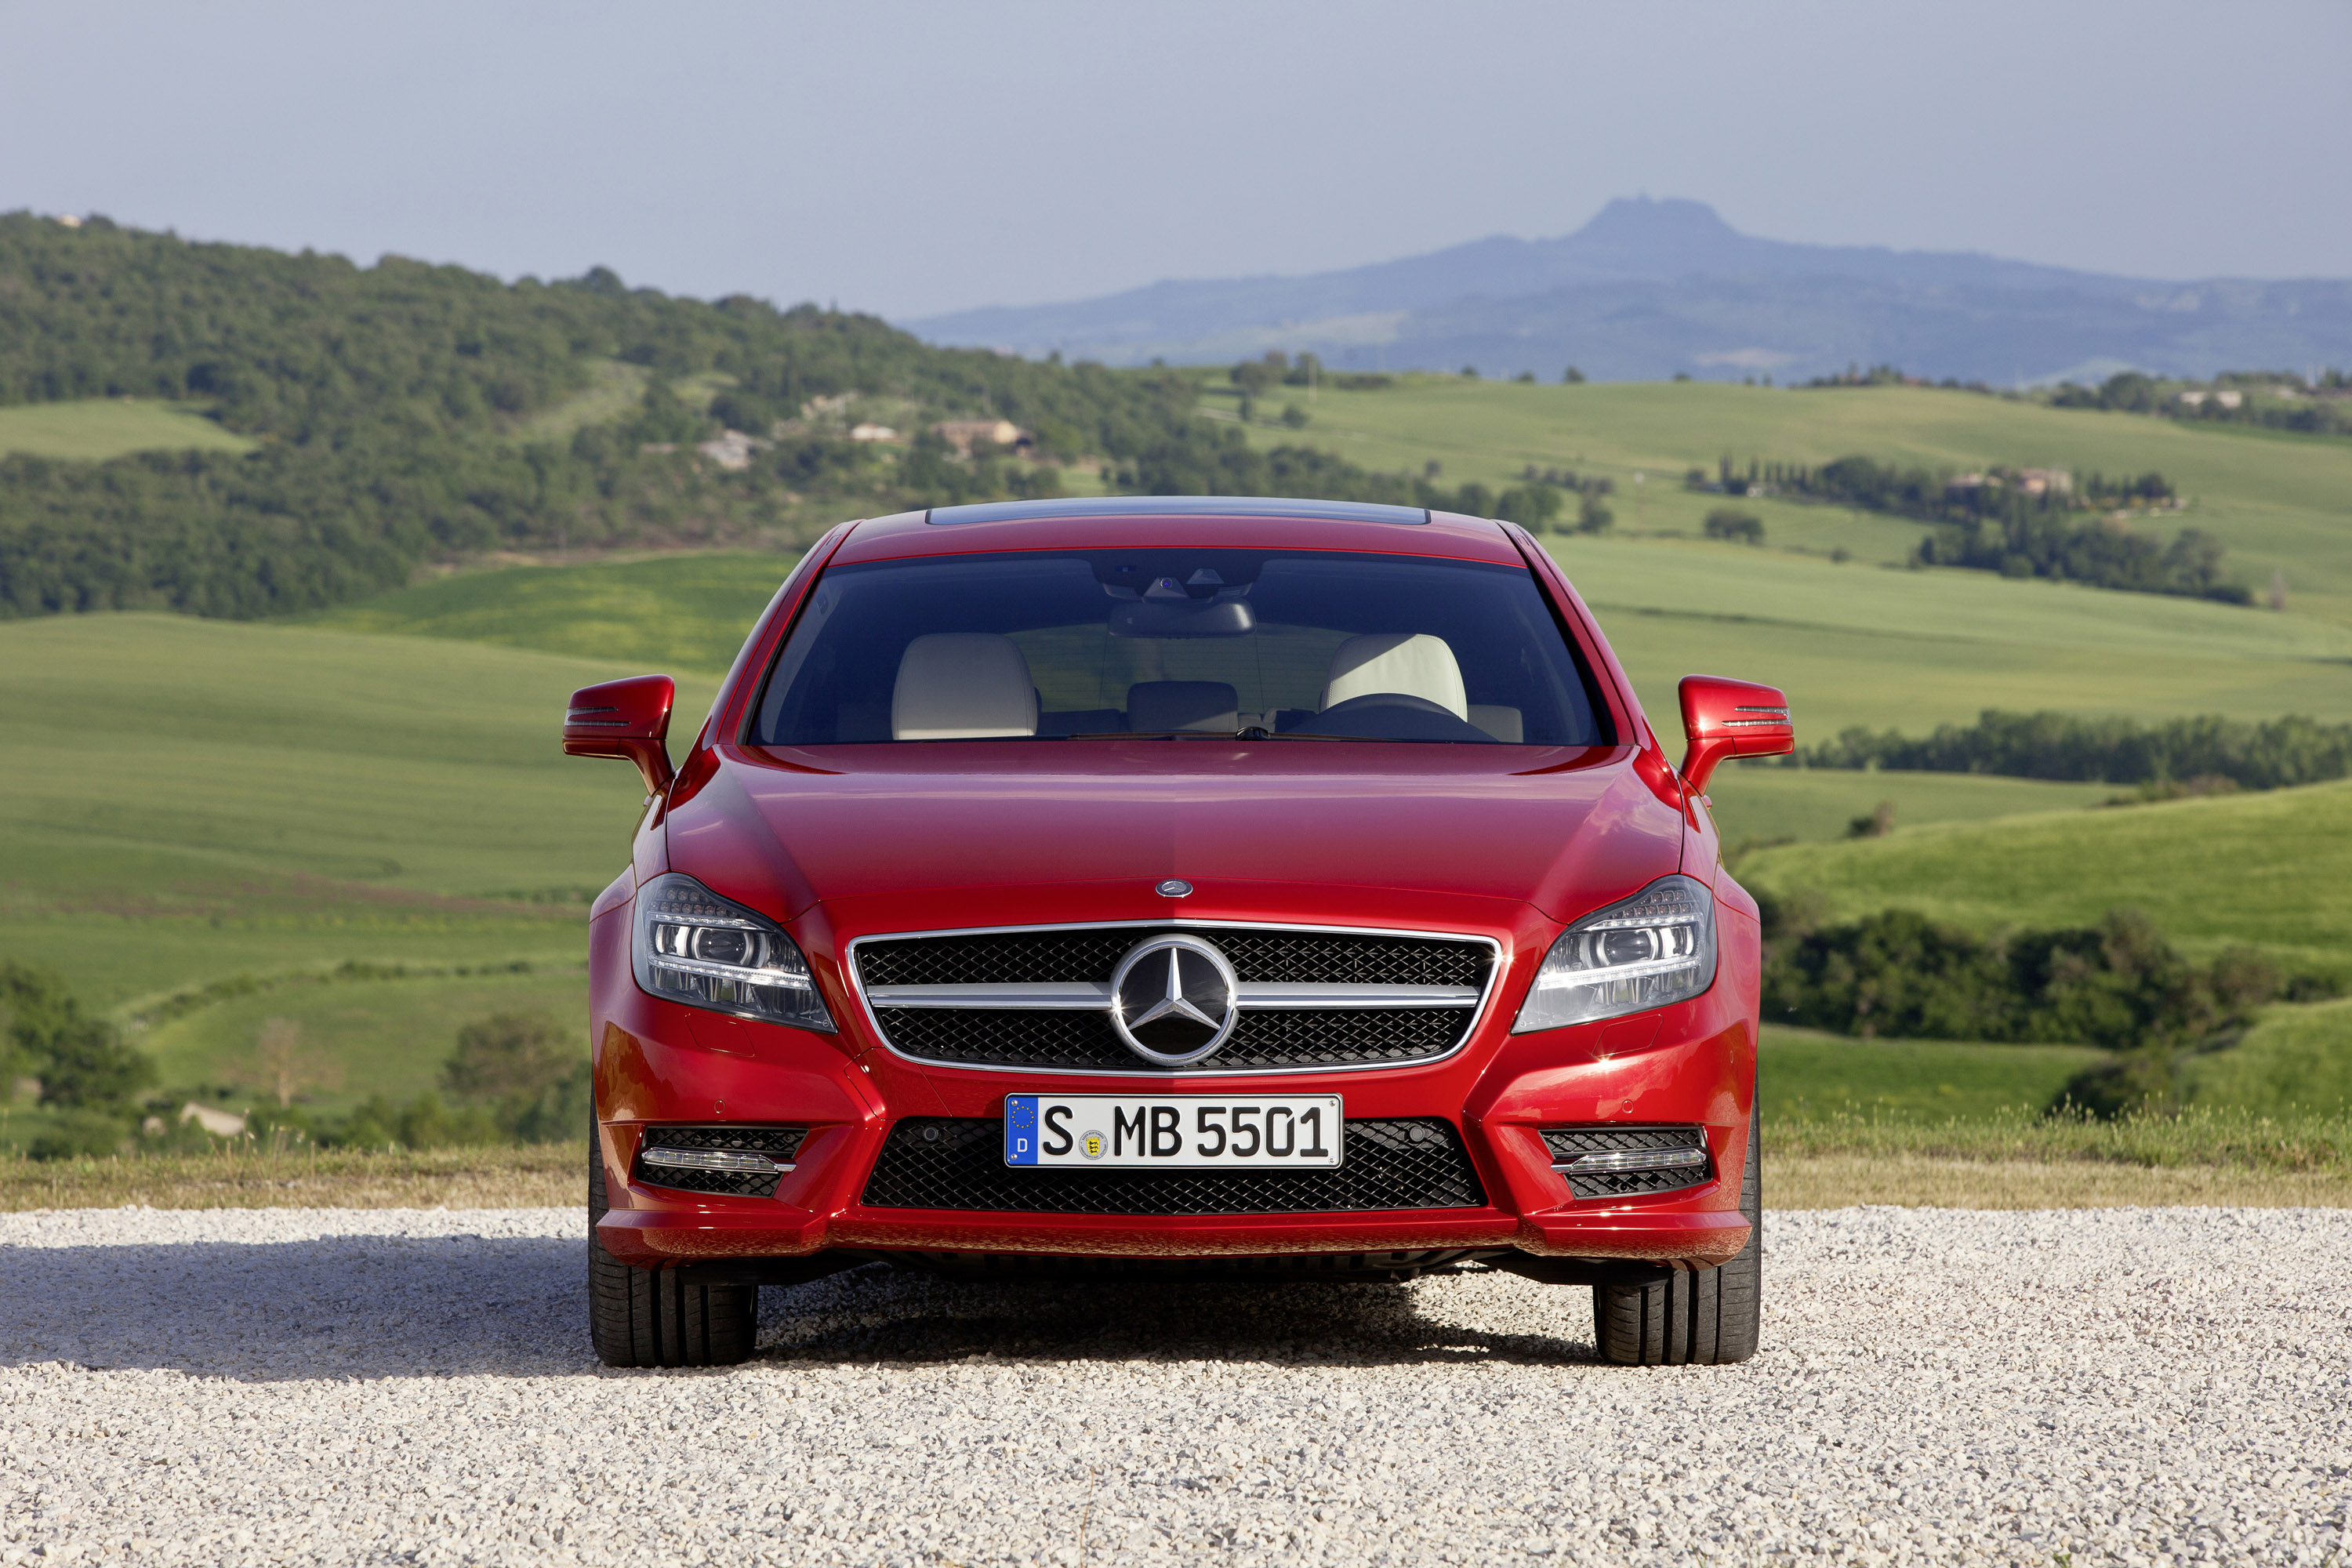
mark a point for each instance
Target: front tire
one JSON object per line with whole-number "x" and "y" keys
{"x": 1709, "y": 1319}
{"x": 651, "y": 1317}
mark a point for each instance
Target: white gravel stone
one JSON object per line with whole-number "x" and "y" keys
{"x": 2136, "y": 1386}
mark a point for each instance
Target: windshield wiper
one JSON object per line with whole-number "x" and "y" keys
{"x": 1255, "y": 732}
{"x": 1157, "y": 735}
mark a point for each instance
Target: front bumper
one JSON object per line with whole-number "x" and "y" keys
{"x": 1692, "y": 1064}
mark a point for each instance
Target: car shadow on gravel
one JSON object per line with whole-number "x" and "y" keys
{"x": 875, "y": 1314}
{"x": 378, "y": 1306}
{"x": 328, "y": 1306}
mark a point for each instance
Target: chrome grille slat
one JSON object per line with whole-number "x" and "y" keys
{"x": 1308, "y": 998}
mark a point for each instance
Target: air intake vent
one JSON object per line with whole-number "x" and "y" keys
{"x": 1629, "y": 1162}
{"x": 738, "y": 1162}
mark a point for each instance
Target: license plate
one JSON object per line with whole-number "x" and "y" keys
{"x": 1167, "y": 1132}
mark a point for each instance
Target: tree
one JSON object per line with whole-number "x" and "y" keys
{"x": 1732, "y": 524}
{"x": 284, "y": 1066}
{"x": 1574, "y": 377}
{"x": 1593, "y": 515}
{"x": 81, "y": 1061}
{"x": 1532, "y": 507}
{"x": 506, "y": 1056}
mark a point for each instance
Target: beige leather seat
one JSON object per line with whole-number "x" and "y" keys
{"x": 1410, "y": 664}
{"x": 962, "y": 686}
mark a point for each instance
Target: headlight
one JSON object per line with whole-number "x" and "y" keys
{"x": 690, "y": 945}
{"x": 1656, "y": 947}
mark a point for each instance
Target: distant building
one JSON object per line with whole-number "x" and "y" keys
{"x": 2228, "y": 397}
{"x": 872, "y": 433}
{"x": 733, "y": 449}
{"x": 2045, "y": 481}
{"x": 962, "y": 433}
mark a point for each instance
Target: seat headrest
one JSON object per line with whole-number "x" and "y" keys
{"x": 1183, "y": 705}
{"x": 1414, "y": 664}
{"x": 962, "y": 686}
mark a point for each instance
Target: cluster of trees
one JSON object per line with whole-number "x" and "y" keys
{"x": 2018, "y": 524}
{"x": 84, "y": 1069}
{"x": 2322, "y": 406}
{"x": 2275, "y": 753}
{"x": 1731, "y": 524}
{"x": 2118, "y": 984}
{"x": 512, "y": 1078}
{"x": 394, "y": 406}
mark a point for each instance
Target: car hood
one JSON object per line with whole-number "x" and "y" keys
{"x": 919, "y": 828}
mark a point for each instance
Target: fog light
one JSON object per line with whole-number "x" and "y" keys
{"x": 733, "y": 1160}
{"x": 1601, "y": 1160}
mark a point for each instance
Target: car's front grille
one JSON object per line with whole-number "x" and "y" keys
{"x": 1570, "y": 1146}
{"x": 958, "y": 1162}
{"x": 1091, "y": 952}
{"x": 1434, "y": 987}
{"x": 1261, "y": 1040}
{"x": 778, "y": 1145}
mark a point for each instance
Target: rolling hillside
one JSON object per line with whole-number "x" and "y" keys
{"x": 2276, "y": 502}
{"x": 2266, "y": 869}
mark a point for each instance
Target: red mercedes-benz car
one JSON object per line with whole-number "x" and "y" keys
{"x": 1258, "y": 887}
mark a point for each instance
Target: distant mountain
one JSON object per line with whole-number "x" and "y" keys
{"x": 1650, "y": 289}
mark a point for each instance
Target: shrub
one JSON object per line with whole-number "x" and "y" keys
{"x": 1732, "y": 524}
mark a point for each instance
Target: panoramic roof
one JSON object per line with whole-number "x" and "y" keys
{"x": 1174, "y": 506}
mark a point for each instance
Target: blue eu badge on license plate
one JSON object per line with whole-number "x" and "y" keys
{"x": 1020, "y": 1129}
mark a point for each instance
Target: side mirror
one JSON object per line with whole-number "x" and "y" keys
{"x": 624, "y": 719}
{"x": 1730, "y": 718}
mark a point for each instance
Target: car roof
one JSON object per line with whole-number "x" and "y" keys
{"x": 1230, "y": 522}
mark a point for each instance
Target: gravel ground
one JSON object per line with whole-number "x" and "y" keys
{"x": 1940, "y": 1386}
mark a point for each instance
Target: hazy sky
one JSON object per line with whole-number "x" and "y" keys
{"x": 914, "y": 158}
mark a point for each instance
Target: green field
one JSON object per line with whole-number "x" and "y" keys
{"x": 1805, "y": 1075}
{"x": 2274, "y": 500}
{"x": 386, "y": 1036}
{"x": 1754, "y": 805}
{"x": 380, "y": 783}
{"x": 665, "y": 613}
{"x": 222, "y": 797}
{"x": 100, "y": 427}
{"x": 2297, "y": 1059}
{"x": 2268, "y": 869}
{"x": 1908, "y": 650}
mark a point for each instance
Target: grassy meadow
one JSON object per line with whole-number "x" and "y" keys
{"x": 93, "y": 429}
{"x": 2276, "y": 500}
{"x": 667, "y": 612}
{"x": 2267, "y": 869}
{"x": 218, "y": 817}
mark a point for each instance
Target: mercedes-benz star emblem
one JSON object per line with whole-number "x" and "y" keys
{"x": 1175, "y": 887}
{"x": 1173, "y": 999}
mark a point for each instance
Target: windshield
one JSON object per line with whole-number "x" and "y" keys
{"x": 1185, "y": 642}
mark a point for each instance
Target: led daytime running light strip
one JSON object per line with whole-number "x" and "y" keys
{"x": 733, "y": 1162}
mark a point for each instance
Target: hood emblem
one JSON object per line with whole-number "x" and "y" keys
{"x": 1173, "y": 887}
{"x": 1174, "y": 1000}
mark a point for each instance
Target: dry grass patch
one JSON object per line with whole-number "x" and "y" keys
{"x": 543, "y": 1175}
{"x": 1915, "y": 1181}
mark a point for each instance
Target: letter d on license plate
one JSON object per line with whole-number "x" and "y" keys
{"x": 1171, "y": 1131}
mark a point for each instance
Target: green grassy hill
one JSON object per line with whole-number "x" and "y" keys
{"x": 93, "y": 429}
{"x": 667, "y": 612}
{"x": 2268, "y": 869}
{"x": 222, "y": 797}
{"x": 1855, "y": 644}
{"x": 2275, "y": 500}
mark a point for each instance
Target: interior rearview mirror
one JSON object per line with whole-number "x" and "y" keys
{"x": 1725, "y": 717}
{"x": 624, "y": 719}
